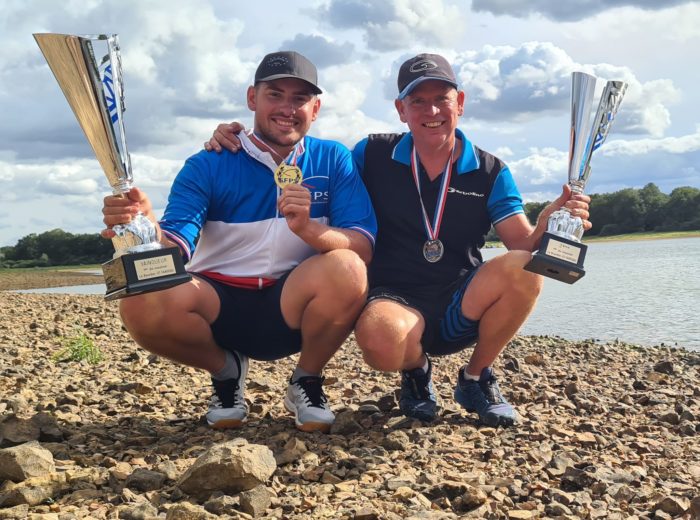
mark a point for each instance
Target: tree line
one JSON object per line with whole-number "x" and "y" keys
{"x": 625, "y": 211}
{"x": 56, "y": 247}
{"x": 636, "y": 210}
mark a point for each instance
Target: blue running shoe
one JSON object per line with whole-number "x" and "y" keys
{"x": 484, "y": 397}
{"x": 418, "y": 399}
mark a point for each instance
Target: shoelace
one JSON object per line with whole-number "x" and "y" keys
{"x": 491, "y": 390}
{"x": 419, "y": 384}
{"x": 225, "y": 396}
{"x": 312, "y": 390}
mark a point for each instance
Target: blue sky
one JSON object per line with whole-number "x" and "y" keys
{"x": 187, "y": 64}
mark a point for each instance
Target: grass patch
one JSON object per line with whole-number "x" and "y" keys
{"x": 78, "y": 347}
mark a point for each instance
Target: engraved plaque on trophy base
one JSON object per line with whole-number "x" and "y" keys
{"x": 559, "y": 258}
{"x": 137, "y": 273}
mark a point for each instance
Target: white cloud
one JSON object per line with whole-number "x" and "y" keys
{"x": 565, "y": 10}
{"x": 398, "y": 24}
{"x": 534, "y": 79}
{"x": 672, "y": 145}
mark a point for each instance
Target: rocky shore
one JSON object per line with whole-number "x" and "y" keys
{"x": 606, "y": 431}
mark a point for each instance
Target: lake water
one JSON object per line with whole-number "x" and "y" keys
{"x": 645, "y": 292}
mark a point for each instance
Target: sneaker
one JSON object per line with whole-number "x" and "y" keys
{"x": 484, "y": 397}
{"x": 306, "y": 400}
{"x": 418, "y": 399}
{"x": 227, "y": 408}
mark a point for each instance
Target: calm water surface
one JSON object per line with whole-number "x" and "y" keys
{"x": 645, "y": 292}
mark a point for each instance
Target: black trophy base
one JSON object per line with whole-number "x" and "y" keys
{"x": 559, "y": 258}
{"x": 137, "y": 273}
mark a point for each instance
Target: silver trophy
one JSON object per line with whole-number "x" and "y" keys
{"x": 95, "y": 93}
{"x": 561, "y": 252}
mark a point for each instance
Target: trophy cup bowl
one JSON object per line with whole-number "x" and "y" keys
{"x": 561, "y": 253}
{"x": 95, "y": 93}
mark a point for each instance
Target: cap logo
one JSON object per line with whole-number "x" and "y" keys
{"x": 277, "y": 61}
{"x": 422, "y": 65}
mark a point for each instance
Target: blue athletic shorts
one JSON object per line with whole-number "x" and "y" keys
{"x": 446, "y": 329}
{"x": 250, "y": 321}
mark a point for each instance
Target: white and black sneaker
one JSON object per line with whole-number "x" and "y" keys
{"x": 227, "y": 407}
{"x": 306, "y": 400}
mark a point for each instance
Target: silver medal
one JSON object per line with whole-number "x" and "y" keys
{"x": 433, "y": 250}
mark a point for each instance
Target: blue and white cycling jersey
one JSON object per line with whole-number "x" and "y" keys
{"x": 229, "y": 201}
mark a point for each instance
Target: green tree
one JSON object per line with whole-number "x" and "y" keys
{"x": 654, "y": 201}
{"x": 682, "y": 211}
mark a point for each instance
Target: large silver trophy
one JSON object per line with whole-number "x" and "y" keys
{"x": 96, "y": 95}
{"x": 561, "y": 252}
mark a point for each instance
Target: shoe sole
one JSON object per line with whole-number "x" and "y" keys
{"x": 227, "y": 424}
{"x": 307, "y": 427}
{"x": 492, "y": 421}
{"x": 425, "y": 417}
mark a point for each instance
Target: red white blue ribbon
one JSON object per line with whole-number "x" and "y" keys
{"x": 434, "y": 230}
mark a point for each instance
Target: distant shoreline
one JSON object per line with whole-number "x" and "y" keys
{"x": 629, "y": 237}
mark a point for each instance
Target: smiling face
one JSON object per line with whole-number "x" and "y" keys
{"x": 431, "y": 111}
{"x": 284, "y": 110}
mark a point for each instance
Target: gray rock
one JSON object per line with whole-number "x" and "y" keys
{"x": 472, "y": 498}
{"x": 187, "y": 511}
{"x": 695, "y": 508}
{"x": 25, "y": 461}
{"x": 229, "y": 467}
{"x": 557, "y": 509}
{"x": 665, "y": 367}
{"x": 366, "y": 513}
{"x": 386, "y": 403}
{"x": 222, "y": 505}
{"x": 49, "y": 431}
{"x": 396, "y": 440}
{"x": 255, "y": 501}
{"x": 674, "y": 506}
{"x": 292, "y": 451}
{"x": 33, "y": 491}
{"x": 16, "y": 430}
{"x": 143, "y": 479}
{"x": 141, "y": 511}
{"x": 345, "y": 424}
{"x": 670, "y": 418}
{"x": 15, "y": 513}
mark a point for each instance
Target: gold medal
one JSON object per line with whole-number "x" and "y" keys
{"x": 287, "y": 174}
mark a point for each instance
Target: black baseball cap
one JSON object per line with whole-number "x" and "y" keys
{"x": 423, "y": 67}
{"x": 287, "y": 64}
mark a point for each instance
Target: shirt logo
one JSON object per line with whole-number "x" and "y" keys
{"x": 318, "y": 187}
{"x": 464, "y": 193}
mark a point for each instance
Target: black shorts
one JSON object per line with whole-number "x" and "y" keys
{"x": 446, "y": 329}
{"x": 250, "y": 321}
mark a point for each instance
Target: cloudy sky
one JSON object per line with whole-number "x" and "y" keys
{"x": 187, "y": 64}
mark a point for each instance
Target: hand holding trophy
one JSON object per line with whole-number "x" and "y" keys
{"x": 95, "y": 93}
{"x": 561, "y": 252}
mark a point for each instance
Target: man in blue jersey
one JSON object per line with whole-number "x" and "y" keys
{"x": 277, "y": 238}
{"x": 436, "y": 195}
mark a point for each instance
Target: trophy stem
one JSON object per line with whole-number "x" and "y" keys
{"x": 122, "y": 187}
{"x": 577, "y": 187}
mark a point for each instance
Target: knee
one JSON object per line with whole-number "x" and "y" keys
{"x": 347, "y": 275}
{"x": 141, "y": 315}
{"x": 520, "y": 280}
{"x": 382, "y": 345}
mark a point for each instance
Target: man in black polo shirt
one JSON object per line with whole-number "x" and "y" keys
{"x": 436, "y": 196}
